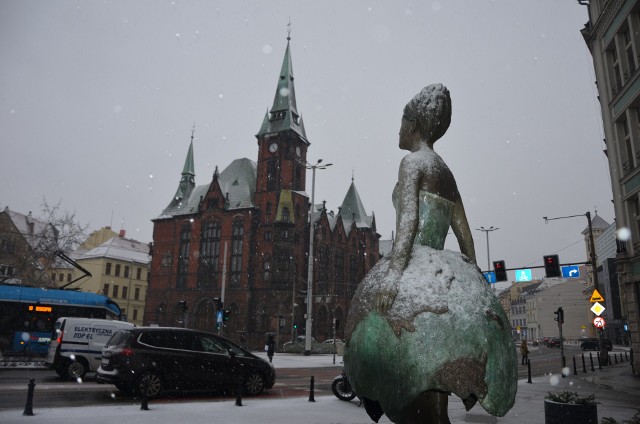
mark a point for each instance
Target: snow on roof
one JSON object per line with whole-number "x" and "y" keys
{"x": 119, "y": 248}
{"x": 22, "y": 223}
{"x": 239, "y": 181}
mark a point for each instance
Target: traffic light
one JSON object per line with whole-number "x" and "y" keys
{"x": 226, "y": 314}
{"x": 500, "y": 270}
{"x": 552, "y": 266}
{"x": 559, "y": 316}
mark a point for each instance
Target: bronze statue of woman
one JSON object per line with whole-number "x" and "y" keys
{"x": 423, "y": 323}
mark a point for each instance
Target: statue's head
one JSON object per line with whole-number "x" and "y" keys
{"x": 430, "y": 109}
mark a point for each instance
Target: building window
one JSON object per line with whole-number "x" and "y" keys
{"x": 117, "y": 273}
{"x": 266, "y": 267}
{"x": 272, "y": 175}
{"x": 323, "y": 270}
{"x": 237, "y": 232}
{"x": 339, "y": 274}
{"x": 126, "y": 271}
{"x": 61, "y": 277}
{"x": 107, "y": 269}
{"x": 68, "y": 278}
{"x": 353, "y": 275}
{"x": 209, "y": 254}
{"x": 285, "y": 214}
{"x": 136, "y": 293}
{"x": 105, "y": 289}
{"x": 135, "y": 314}
{"x": 115, "y": 292}
{"x": 125, "y": 291}
{"x": 267, "y": 235}
{"x": 183, "y": 259}
{"x": 614, "y": 69}
{"x": 138, "y": 273}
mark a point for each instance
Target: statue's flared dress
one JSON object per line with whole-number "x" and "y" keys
{"x": 445, "y": 331}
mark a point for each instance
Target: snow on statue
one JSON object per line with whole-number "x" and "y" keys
{"x": 423, "y": 323}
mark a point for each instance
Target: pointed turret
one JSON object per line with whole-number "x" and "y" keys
{"x": 187, "y": 181}
{"x": 284, "y": 115}
{"x": 352, "y": 208}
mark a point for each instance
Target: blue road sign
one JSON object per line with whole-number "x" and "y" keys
{"x": 219, "y": 317}
{"x": 523, "y": 275}
{"x": 570, "y": 271}
{"x": 490, "y": 277}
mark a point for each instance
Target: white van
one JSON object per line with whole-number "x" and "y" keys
{"x": 76, "y": 344}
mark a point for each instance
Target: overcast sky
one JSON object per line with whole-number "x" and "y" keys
{"x": 98, "y": 99}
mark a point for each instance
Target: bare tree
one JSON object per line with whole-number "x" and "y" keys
{"x": 34, "y": 244}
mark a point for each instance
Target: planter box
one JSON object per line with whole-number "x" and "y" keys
{"x": 569, "y": 413}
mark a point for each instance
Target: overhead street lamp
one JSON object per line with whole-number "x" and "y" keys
{"x": 307, "y": 337}
{"x": 487, "y": 231}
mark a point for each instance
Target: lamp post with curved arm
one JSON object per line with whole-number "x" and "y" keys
{"x": 307, "y": 337}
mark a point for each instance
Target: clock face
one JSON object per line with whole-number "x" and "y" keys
{"x": 298, "y": 151}
{"x": 273, "y": 147}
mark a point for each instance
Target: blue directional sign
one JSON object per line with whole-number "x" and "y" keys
{"x": 523, "y": 275}
{"x": 219, "y": 317}
{"x": 490, "y": 277}
{"x": 570, "y": 271}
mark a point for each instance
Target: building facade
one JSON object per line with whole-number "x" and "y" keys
{"x": 119, "y": 269}
{"x": 240, "y": 242}
{"x": 612, "y": 35}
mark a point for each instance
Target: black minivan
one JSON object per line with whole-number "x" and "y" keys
{"x": 167, "y": 359}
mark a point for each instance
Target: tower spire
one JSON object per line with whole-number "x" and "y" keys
{"x": 283, "y": 115}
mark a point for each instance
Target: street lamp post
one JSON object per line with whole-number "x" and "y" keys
{"x": 594, "y": 273}
{"x": 487, "y": 231}
{"x": 307, "y": 337}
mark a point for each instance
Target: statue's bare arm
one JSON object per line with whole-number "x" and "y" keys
{"x": 461, "y": 229}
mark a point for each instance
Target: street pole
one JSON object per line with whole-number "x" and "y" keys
{"x": 594, "y": 273}
{"x": 308, "y": 324}
{"x": 487, "y": 231}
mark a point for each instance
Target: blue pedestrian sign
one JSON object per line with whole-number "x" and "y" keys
{"x": 490, "y": 277}
{"x": 570, "y": 271}
{"x": 523, "y": 275}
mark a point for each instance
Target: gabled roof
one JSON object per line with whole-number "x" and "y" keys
{"x": 237, "y": 182}
{"x": 119, "y": 248}
{"x": 32, "y": 229}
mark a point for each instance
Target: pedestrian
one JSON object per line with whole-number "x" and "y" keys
{"x": 524, "y": 350}
{"x": 271, "y": 347}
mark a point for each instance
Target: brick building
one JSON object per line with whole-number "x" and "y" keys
{"x": 243, "y": 238}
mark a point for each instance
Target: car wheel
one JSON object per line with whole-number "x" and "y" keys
{"x": 75, "y": 369}
{"x": 254, "y": 384}
{"x": 151, "y": 380}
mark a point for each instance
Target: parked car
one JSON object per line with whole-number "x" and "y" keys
{"x": 299, "y": 339}
{"x": 594, "y": 344}
{"x": 164, "y": 359}
{"x": 332, "y": 341}
{"x": 554, "y": 342}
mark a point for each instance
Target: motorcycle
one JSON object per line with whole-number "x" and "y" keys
{"x": 342, "y": 388}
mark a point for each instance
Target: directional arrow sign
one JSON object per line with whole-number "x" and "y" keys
{"x": 490, "y": 277}
{"x": 570, "y": 271}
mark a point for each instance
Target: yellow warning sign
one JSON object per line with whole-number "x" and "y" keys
{"x": 596, "y": 297}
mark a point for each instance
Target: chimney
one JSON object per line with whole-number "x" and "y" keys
{"x": 122, "y": 232}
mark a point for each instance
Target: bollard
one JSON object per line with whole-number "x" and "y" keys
{"x": 625, "y": 356}
{"x": 599, "y": 362}
{"x": 621, "y": 361}
{"x": 311, "y": 397}
{"x": 564, "y": 365}
{"x": 575, "y": 369}
{"x": 28, "y": 408}
{"x": 529, "y": 370}
{"x": 584, "y": 366}
{"x": 615, "y": 358}
{"x": 239, "y": 393}
{"x": 591, "y": 360}
{"x": 144, "y": 406}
